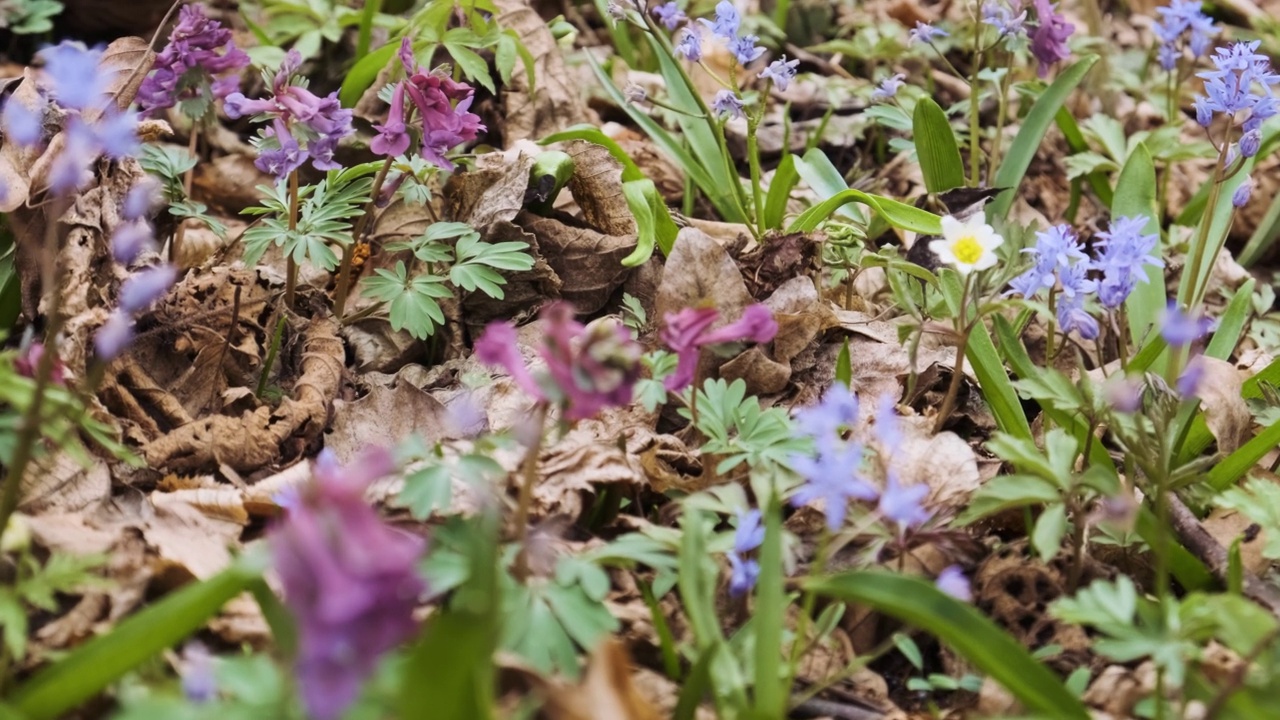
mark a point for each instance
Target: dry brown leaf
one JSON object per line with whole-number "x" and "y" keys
{"x": 1226, "y": 526}
{"x": 557, "y": 101}
{"x": 387, "y": 414}
{"x": 605, "y": 693}
{"x": 588, "y": 263}
{"x": 944, "y": 462}
{"x": 16, "y": 159}
{"x": 493, "y": 192}
{"x": 1226, "y": 412}
{"x": 596, "y": 185}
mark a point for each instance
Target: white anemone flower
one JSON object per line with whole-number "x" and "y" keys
{"x": 967, "y": 245}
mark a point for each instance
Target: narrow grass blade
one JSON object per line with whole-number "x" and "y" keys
{"x": 1239, "y": 463}
{"x": 1027, "y": 142}
{"x": 1075, "y": 140}
{"x": 770, "y": 611}
{"x": 1198, "y": 436}
{"x": 816, "y": 169}
{"x": 936, "y": 147}
{"x": 897, "y": 214}
{"x": 1231, "y": 323}
{"x": 363, "y": 74}
{"x": 994, "y": 381}
{"x": 93, "y": 666}
{"x": 775, "y": 203}
{"x": 1264, "y": 236}
{"x": 990, "y": 649}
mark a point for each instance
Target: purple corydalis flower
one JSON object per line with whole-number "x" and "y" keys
{"x": 1126, "y": 252}
{"x": 200, "y": 62}
{"x": 747, "y": 537}
{"x": 303, "y": 126}
{"x": 781, "y": 72}
{"x": 727, "y": 21}
{"x": 1049, "y": 40}
{"x": 442, "y": 105}
{"x": 689, "y": 46}
{"x": 349, "y": 578}
{"x": 1180, "y": 19}
{"x": 888, "y": 88}
{"x": 1180, "y": 329}
{"x": 925, "y": 33}
{"x": 587, "y": 368}
{"x": 27, "y": 363}
{"x": 146, "y": 286}
{"x": 953, "y": 582}
{"x": 901, "y": 503}
{"x": 669, "y": 14}
{"x": 688, "y": 331}
{"x": 727, "y": 102}
{"x": 1238, "y": 87}
{"x": 114, "y": 336}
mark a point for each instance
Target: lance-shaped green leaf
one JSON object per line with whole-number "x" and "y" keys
{"x": 936, "y": 147}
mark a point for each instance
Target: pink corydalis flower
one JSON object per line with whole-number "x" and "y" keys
{"x": 441, "y": 103}
{"x": 28, "y": 362}
{"x": 350, "y": 580}
{"x": 588, "y": 368}
{"x": 689, "y": 330}
{"x": 304, "y": 126}
{"x": 200, "y": 64}
{"x": 1049, "y": 39}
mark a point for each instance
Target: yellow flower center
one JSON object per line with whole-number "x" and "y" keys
{"x": 967, "y": 250}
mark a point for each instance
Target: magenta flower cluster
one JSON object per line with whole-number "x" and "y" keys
{"x": 689, "y": 330}
{"x": 1049, "y": 39}
{"x": 350, "y": 580}
{"x": 201, "y": 63}
{"x": 442, "y": 105}
{"x": 587, "y": 368}
{"x": 303, "y": 126}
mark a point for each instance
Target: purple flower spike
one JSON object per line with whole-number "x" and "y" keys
{"x": 749, "y": 535}
{"x": 901, "y": 503}
{"x": 834, "y": 477}
{"x": 1049, "y": 41}
{"x": 588, "y": 368}
{"x": 23, "y": 125}
{"x": 1240, "y": 85}
{"x": 1180, "y": 329}
{"x": 113, "y": 337}
{"x": 1241, "y": 196}
{"x": 727, "y": 103}
{"x": 146, "y": 286}
{"x": 442, "y": 106}
{"x": 888, "y": 427}
{"x": 689, "y": 46}
{"x": 200, "y": 62}
{"x": 925, "y": 33}
{"x": 74, "y": 76}
{"x": 350, "y": 580}
{"x": 1180, "y": 19}
{"x": 1188, "y": 384}
{"x": 687, "y": 331}
{"x": 669, "y": 14}
{"x": 1126, "y": 252}
{"x": 953, "y": 582}
{"x": 129, "y": 240}
{"x": 888, "y": 88}
{"x": 781, "y": 72}
{"x": 727, "y": 21}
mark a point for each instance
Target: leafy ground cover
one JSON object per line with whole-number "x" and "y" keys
{"x": 421, "y": 358}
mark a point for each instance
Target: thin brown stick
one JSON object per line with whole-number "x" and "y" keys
{"x": 1193, "y": 535}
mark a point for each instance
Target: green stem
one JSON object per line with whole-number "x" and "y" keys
{"x": 272, "y": 352}
{"x": 753, "y": 159}
{"x": 291, "y": 267}
{"x": 974, "y": 107}
{"x": 963, "y": 327}
{"x": 529, "y": 477}
{"x": 357, "y": 233}
{"x": 1201, "y": 247}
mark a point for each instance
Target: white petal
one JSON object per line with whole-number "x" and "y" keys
{"x": 951, "y": 228}
{"x": 942, "y": 249}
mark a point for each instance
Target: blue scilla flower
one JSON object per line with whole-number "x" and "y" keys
{"x": 925, "y": 33}
{"x": 1182, "y": 20}
{"x": 727, "y": 102}
{"x": 1238, "y": 87}
{"x": 689, "y": 46}
{"x": 669, "y": 14}
{"x": 1126, "y": 251}
{"x": 781, "y": 72}
{"x": 727, "y": 21}
{"x": 749, "y": 535}
{"x": 1055, "y": 250}
{"x": 744, "y": 48}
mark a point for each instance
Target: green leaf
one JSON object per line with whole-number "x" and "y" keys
{"x": 697, "y": 683}
{"x": 991, "y": 650}
{"x": 844, "y": 365}
{"x": 1258, "y": 500}
{"x": 816, "y": 169}
{"x": 365, "y": 30}
{"x": 994, "y": 382}
{"x": 775, "y": 203}
{"x": 897, "y": 214}
{"x": 1027, "y": 142}
{"x": 90, "y": 668}
{"x": 770, "y": 612}
{"x": 936, "y": 147}
{"x": 593, "y": 134}
{"x": 450, "y": 670}
{"x": 1232, "y": 321}
{"x": 1005, "y": 492}
{"x": 1236, "y": 465}
{"x": 654, "y": 226}
{"x": 473, "y": 66}
{"x": 362, "y": 75}
{"x": 1050, "y": 528}
{"x": 1136, "y": 196}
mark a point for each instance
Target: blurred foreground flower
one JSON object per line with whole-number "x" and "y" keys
{"x": 689, "y": 330}
{"x": 350, "y": 580}
{"x": 749, "y": 535}
{"x": 588, "y": 368}
{"x": 834, "y": 473}
{"x": 953, "y": 582}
